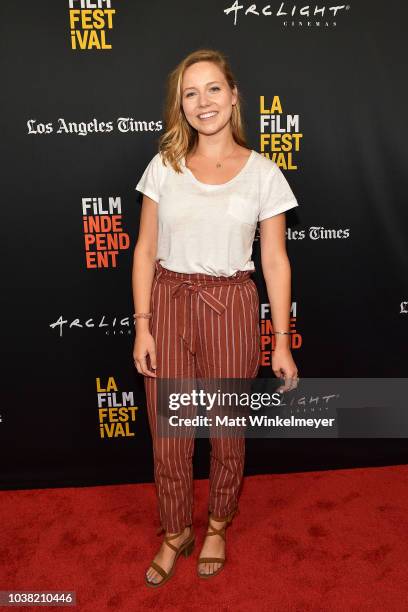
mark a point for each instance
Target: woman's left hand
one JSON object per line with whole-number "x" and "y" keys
{"x": 283, "y": 366}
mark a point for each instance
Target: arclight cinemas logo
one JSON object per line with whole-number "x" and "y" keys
{"x": 109, "y": 325}
{"x": 291, "y": 15}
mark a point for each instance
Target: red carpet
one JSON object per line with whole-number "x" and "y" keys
{"x": 306, "y": 542}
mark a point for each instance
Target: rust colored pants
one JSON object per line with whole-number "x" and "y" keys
{"x": 203, "y": 326}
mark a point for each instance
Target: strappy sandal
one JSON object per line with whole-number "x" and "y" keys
{"x": 220, "y": 532}
{"x": 186, "y": 548}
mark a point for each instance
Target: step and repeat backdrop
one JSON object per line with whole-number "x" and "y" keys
{"x": 324, "y": 96}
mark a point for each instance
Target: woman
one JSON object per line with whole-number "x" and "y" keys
{"x": 196, "y": 307}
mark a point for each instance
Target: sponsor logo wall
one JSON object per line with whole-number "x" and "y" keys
{"x": 83, "y": 111}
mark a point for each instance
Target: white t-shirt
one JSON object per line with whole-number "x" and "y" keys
{"x": 210, "y": 228}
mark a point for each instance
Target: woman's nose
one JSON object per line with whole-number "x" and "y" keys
{"x": 202, "y": 100}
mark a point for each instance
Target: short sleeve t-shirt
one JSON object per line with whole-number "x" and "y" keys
{"x": 211, "y": 228}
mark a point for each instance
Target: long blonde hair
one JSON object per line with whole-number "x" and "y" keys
{"x": 179, "y": 137}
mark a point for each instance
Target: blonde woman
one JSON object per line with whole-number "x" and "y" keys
{"x": 196, "y": 305}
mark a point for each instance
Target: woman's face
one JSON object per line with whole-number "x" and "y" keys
{"x": 206, "y": 97}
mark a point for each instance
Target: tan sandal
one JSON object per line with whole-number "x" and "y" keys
{"x": 186, "y": 548}
{"x": 220, "y": 532}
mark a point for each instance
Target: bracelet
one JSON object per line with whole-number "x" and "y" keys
{"x": 280, "y": 332}
{"x": 142, "y": 315}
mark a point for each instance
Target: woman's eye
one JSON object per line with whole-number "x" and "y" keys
{"x": 213, "y": 88}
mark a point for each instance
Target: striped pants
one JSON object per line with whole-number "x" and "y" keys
{"x": 204, "y": 326}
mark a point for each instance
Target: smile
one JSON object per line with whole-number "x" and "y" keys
{"x": 207, "y": 115}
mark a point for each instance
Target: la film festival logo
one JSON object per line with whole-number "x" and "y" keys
{"x": 116, "y": 410}
{"x": 279, "y": 133}
{"x": 103, "y": 233}
{"x": 268, "y": 339}
{"x": 90, "y": 22}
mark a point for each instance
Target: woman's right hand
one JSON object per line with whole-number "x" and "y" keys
{"x": 144, "y": 345}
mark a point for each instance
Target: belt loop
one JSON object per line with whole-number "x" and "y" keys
{"x": 159, "y": 271}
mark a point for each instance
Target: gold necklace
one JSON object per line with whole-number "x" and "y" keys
{"x": 218, "y": 164}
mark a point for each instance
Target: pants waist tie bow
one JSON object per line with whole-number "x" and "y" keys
{"x": 197, "y": 290}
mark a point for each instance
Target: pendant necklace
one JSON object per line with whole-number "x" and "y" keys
{"x": 218, "y": 164}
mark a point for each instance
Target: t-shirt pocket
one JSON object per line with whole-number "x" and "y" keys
{"x": 241, "y": 208}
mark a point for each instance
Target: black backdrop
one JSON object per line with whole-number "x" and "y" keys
{"x": 342, "y": 81}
